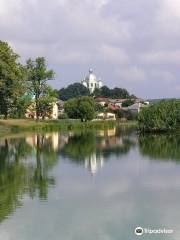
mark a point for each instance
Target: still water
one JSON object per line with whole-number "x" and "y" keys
{"x": 89, "y": 186}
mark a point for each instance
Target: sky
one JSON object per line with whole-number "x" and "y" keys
{"x": 129, "y": 44}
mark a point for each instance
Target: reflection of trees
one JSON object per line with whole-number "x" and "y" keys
{"x": 25, "y": 162}
{"x": 80, "y": 147}
{"x": 116, "y": 150}
{"x": 160, "y": 146}
{"x": 45, "y": 158}
{"x": 12, "y": 175}
{"x": 19, "y": 174}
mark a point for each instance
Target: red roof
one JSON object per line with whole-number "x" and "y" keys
{"x": 113, "y": 107}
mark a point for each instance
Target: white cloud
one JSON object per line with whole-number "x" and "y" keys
{"x": 135, "y": 36}
{"x": 132, "y": 74}
{"x": 161, "y": 57}
{"x": 163, "y": 76}
{"x": 112, "y": 54}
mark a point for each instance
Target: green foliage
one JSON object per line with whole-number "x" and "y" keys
{"x": 72, "y": 91}
{"x": 63, "y": 116}
{"x": 38, "y": 75}
{"x": 46, "y": 102}
{"x": 161, "y": 116}
{"x": 112, "y": 93}
{"x": 12, "y": 80}
{"x": 119, "y": 113}
{"x": 128, "y": 103}
{"x": 22, "y": 104}
{"x": 99, "y": 107}
{"x": 80, "y": 108}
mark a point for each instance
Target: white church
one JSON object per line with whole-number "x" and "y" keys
{"x": 91, "y": 82}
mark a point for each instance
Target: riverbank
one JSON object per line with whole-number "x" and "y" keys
{"x": 19, "y": 125}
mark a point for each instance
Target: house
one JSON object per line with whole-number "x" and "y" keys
{"x": 60, "y": 104}
{"x": 113, "y": 107}
{"x": 136, "y": 107}
{"x": 102, "y": 101}
{"x": 53, "y": 114}
{"x": 106, "y": 116}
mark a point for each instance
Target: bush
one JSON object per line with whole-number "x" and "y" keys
{"x": 125, "y": 114}
{"x": 80, "y": 108}
{"x": 63, "y": 116}
{"x": 161, "y": 116}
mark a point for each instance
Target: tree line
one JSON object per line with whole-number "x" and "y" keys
{"x": 77, "y": 90}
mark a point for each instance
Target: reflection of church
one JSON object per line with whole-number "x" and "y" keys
{"x": 103, "y": 143}
{"x": 93, "y": 163}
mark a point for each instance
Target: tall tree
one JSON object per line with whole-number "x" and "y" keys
{"x": 38, "y": 75}
{"x": 12, "y": 79}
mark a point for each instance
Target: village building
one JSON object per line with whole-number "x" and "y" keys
{"x": 91, "y": 82}
{"x": 135, "y": 108}
{"x": 53, "y": 114}
{"x": 102, "y": 101}
{"x": 60, "y": 105}
{"x": 106, "y": 116}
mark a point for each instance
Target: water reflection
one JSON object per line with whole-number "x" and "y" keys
{"x": 92, "y": 149}
{"x": 30, "y": 167}
{"x": 24, "y": 169}
{"x": 41, "y": 166}
{"x": 160, "y": 147}
{"x": 25, "y": 162}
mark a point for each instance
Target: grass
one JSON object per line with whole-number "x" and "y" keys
{"x": 16, "y": 125}
{"x": 28, "y": 125}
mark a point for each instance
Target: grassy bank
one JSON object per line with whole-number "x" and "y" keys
{"x": 17, "y": 125}
{"x": 26, "y": 125}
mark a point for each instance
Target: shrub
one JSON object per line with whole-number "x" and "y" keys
{"x": 161, "y": 116}
{"x": 80, "y": 108}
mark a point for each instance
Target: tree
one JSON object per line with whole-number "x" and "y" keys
{"x": 112, "y": 93}
{"x": 38, "y": 75}
{"x": 105, "y": 92}
{"x": 128, "y": 103}
{"x": 162, "y": 116}
{"x": 99, "y": 107}
{"x": 22, "y": 105}
{"x": 72, "y": 91}
{"x": 46, "y": 102}
{"x": 12, "y": 79}
{"x": 80, "y": 108}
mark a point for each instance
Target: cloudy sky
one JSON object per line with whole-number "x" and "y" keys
{"x": 130, "y": 44}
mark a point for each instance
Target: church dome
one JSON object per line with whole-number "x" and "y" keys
{"x": 91, "y": 82}
{"x": 91, "y": 77}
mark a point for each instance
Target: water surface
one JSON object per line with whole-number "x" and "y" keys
{"x": 94, "y": 185}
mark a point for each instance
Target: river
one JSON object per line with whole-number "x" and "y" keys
{"x": 89, "y": 186}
